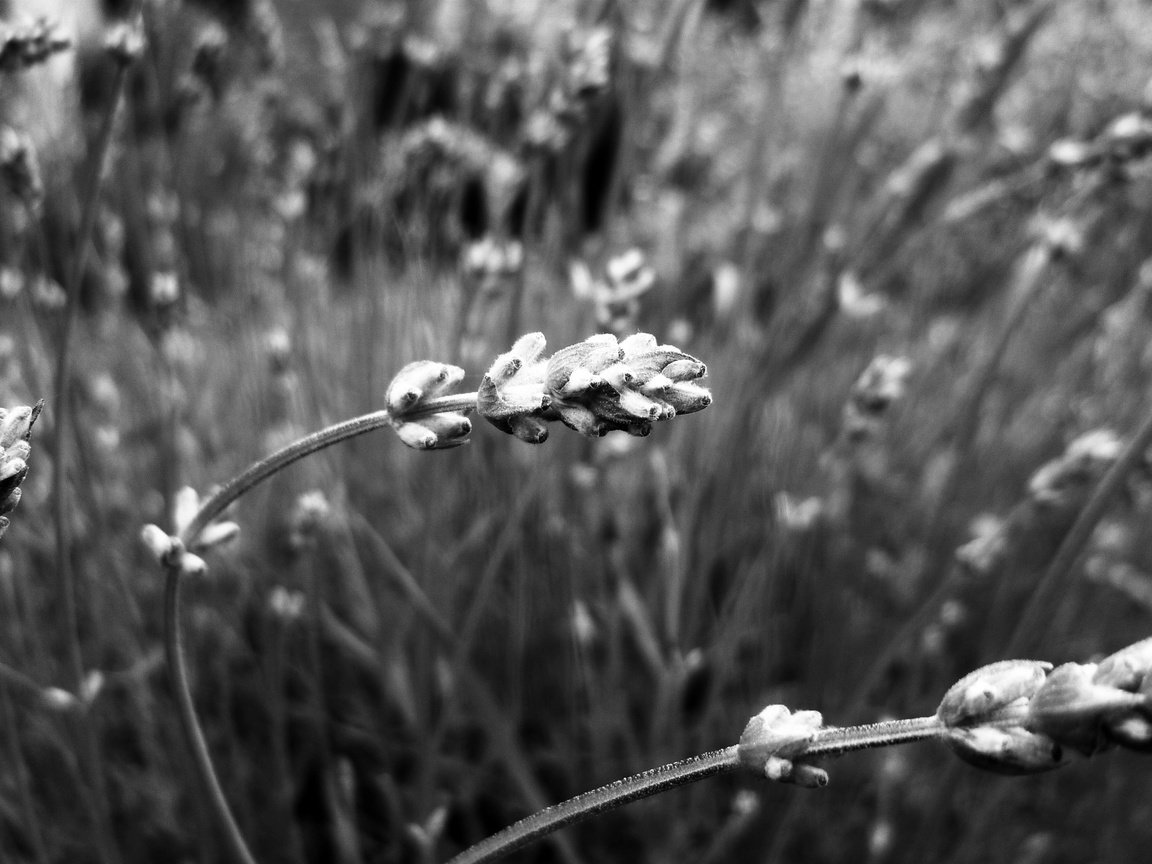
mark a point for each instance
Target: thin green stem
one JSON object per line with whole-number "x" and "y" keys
{"x": 827, "y": 742}
{"x": 607, "y": 797}
{"x": 212, "y": 508}
{"x": 178, "y": 678}
{"x": 260, "y": 471}
{"x": 834, "y": 740}
{"x": 92, "y": 760}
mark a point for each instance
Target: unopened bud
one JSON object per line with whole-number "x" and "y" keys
{"x": 774, "y": 738}
{"x": 979, "y": 695}
{"x": 159, "y": 543}
{"x": 419, "y": 381}
{"x": 1005, "y": 750}
{"x": 1073, "y": 709}
{"x": 435, "y": 432}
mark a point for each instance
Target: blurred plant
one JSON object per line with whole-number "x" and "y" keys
{"x": 23, "y": 46}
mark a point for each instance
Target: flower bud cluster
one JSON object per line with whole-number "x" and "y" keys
{"x": 879, "y": 386}
{"x": 26, "y": 45}
{"x": 410, "y": 402}
{"x": 170, "y": 551}
{"x": 1011, "y": 717}
{"x": 15, "y": 431}
{"x": 1022, "y": 716}
{"x": 594, "y": 387}
{"x": 615, "y": 297}
{"x": 775, "y": 738}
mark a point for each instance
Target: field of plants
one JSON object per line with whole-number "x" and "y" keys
{"x": 910, "y": 240}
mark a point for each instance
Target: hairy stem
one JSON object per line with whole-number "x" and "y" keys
{"x": 607, "y": 797}
{"x": 829, "y": 741}
{"x": 260, "y": 471}
{"x": 213, "y": 507}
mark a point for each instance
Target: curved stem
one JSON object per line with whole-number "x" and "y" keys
{"x": 297, "y": 450}
{"x": 213, "y": 507}
{"x": 828, "y": 741}
{"x": 178, "y": 678}
{"x": 607, "y": 797}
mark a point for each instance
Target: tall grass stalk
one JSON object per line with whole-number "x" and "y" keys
{"x": 86, "y": 731}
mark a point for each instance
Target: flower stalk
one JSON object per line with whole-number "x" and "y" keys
{"x": 597, "y": 386}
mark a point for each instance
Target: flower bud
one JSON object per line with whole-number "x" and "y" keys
{"x": 513, "y": 387}
{"x": 419, "y": 381}
{"x": 57, "y": 699}
{"x": 124, "y": 43}
{"x": 774, "y": 737}
{"x": 159, "y": 543}
{"x": 216, "y": 534}
{"x": 1073, "y": 709}
{"x": 1005, "y": 750}
{"x": 16, "y": 423}
{"x": 1130, "y": 669}
{"x": 435, "y": 432}
{"x": 572, "y": 370}
{"x": 192, "y": 565}
{"x": 979, "y": 695}
{"x": 9, "y": 501}
{"x": 1127, "y": 669}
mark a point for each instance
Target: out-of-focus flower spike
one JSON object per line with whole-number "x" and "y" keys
{"x": 58, "y": 699}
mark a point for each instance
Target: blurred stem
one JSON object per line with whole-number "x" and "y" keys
{"x": 101, "y": 817}
{"x": 178, "y": 677}
{"x": 19, "y": 767}
{"x": 1043, "y": 598}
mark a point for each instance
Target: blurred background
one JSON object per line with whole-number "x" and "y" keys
{"x": 911, "y": 240}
